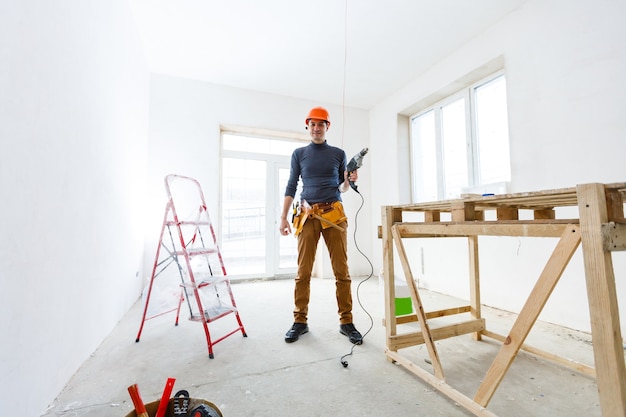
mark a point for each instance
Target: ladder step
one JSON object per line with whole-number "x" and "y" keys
{"x": 204, "y": 281}
{"x": 214, "y": 312}
{"x": 187, "y": 223}
{"x": 196, "y": 251}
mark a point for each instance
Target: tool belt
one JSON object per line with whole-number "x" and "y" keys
{"x": 329, "y": 214}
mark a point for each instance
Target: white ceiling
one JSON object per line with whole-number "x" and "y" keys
{"x": 344, "y": 52}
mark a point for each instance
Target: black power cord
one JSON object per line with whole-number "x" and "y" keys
{"x": 343, "y": 360}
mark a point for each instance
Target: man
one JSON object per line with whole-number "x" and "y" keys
{"x": 324, "y": 177}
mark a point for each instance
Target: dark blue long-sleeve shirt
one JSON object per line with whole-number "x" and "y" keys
{"x": 321, "y": 168}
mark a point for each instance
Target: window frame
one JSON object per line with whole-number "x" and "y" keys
{"x": 468, "y": 94}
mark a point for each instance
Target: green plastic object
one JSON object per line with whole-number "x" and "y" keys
{"x": 404, "y": 306}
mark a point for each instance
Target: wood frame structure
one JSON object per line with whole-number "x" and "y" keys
{"x": 600, "y": 228}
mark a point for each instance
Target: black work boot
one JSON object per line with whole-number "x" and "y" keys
{"x": 352, "y": 333}
{"x": 296, "y": 330}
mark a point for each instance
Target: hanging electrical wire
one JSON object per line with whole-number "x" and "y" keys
{"x": 343, "y": 360}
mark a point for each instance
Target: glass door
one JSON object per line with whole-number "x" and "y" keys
{"x": 287, "y": 261}
{"x": 254, "y": 176}
{"x": 243, "y": 226}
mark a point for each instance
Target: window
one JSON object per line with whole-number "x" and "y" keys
{"x": 255, "y": 170}
{"x": 461, "y": 144}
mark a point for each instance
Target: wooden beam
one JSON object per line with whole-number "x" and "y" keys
{"x": 528, "y": 229}
{"x": 437, "y": 333}
{"x": 545, "y": 214}
{"x": 603, "y": 308}
{"x": 530, "y": 312}
{"x": 474, "y": 280}
{"x": 447, "y": 312}
{"x": 417, "y": 301}
{"x": 507, "y": 213}
{"x": 577, "y": 366}
{"x": 412, "y": 318}
{"x": 389, "y": 217}
{"x": 614, "y": 204}
{"x": 462, "y": 211}
{"x": 432, "y": 216}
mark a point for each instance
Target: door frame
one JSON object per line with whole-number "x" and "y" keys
{"x": 274, "y": 162}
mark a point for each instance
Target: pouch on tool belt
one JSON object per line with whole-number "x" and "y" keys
{"x": 335, "y": 215}
{"x": 298, "y": 222}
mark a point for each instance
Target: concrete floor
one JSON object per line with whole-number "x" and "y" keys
{"x": 261, "y": 375}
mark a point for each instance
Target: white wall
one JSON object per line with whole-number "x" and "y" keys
{"x": 564, "y": 61}
{"x": 185, "y": 119}
{"x": 74, "y": 93}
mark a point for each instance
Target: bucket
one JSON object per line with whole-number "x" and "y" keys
{"x": 152, "y": 407}
{"x": 403, "y": 302}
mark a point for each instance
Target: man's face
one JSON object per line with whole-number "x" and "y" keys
{"x": 317, "y": 130}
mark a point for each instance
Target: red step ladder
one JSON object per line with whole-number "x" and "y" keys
{"x": 189, "y": 254}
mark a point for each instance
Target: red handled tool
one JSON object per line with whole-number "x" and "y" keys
{"x": 140, "y": 407}
{"x": 165, "y": 398}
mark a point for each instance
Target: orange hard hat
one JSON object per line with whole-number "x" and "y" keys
{"x": 319, "y": 113}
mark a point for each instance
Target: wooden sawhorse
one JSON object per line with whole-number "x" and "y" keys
{"x": 600, "y": 228}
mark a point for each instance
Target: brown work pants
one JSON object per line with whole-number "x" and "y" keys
{"x": 337, "y": 244}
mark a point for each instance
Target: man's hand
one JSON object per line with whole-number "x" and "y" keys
{"x": 285, "y": 227}
{"x": 347, "y": 178}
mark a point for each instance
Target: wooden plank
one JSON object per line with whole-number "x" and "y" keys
{"x": 536, "y": 200}
{"x": 474, "y": 280}
{"x": 441, "y": 386}
{"x": 572, "y": 364}
{"x": 410, "y": 230}
{"x": 389, "y": 217}
{"x": 412, "y": 318}
{"x": 430, "y": 345}
{"x": 447, "y": 312}
{"x": 437, "y": 333}
{"x": 507, "y": 213}
{"x": 545, "y": 214}
{"x": 614, "y": 204}
{"x": 548, "y": 279}
{"x": 462, "y": 211}
{"x": 603, "y": 308}
{"x": 432, "y": 216}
